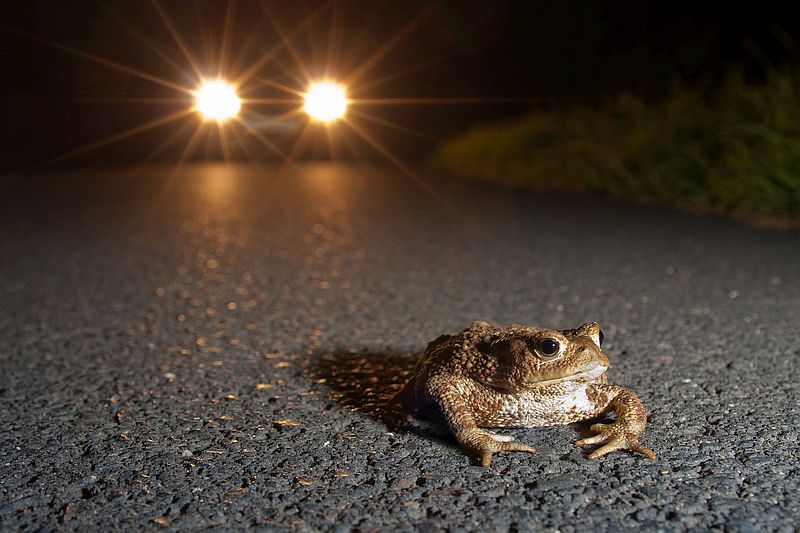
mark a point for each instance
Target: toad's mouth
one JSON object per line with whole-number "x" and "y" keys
{"x": 587, "y": 373}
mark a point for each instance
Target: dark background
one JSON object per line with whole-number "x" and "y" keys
{"x": 554, "y": 53}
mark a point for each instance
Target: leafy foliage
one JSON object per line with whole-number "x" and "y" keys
{"x": 736, "y": 148}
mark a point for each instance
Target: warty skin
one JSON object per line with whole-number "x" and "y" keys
{"x": 519, "y": 376}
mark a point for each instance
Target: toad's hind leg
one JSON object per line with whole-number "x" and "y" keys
{"x": 405, "y": 401}
{"x": 448, "y": 392}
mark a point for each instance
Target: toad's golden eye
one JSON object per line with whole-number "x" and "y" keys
{"x": 601, "y": 337}
{"x": 548, "y": 348}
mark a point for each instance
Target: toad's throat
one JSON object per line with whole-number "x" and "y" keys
{"x": 585, "y": 374}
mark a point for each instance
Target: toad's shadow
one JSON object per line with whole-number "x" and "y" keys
{"x": 365, "y": 382}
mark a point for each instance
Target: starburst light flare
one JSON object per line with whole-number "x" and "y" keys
{"x": 217, "y": 100}
{"x": 325, "y": 102}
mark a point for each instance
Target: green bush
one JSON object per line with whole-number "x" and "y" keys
{"x": 736, "y": 148}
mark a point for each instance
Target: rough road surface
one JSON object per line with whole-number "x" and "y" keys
{"x": 211, "y": 348}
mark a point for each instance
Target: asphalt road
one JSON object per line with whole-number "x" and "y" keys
{"x": 211, "y": 349}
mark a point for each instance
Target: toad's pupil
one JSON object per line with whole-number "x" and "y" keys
{"x": 548, "y": 347}
{"x": 601, "y": 337}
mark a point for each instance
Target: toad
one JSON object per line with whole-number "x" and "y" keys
{"x": 518, "y": 376}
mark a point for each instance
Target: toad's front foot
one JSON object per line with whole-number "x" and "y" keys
{"x": 614, "y": 437}
{"x": 483, "y": 443}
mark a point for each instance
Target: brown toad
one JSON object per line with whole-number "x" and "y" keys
{"x": 518, "y": 376}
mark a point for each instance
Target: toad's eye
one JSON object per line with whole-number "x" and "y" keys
{"x": 549, "y": 347}
{"x": 601, "y": 338}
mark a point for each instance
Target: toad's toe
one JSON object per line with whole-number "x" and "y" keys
{"x": 486, "y": 453}
{"x": 483, "y": 444}
{"x": 613, "y": 437}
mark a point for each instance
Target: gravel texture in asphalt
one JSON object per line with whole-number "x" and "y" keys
{"x": 212, "y": 347}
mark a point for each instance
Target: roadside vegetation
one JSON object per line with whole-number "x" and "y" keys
{"x": 734, "y": 148}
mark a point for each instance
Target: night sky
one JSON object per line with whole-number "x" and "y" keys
{"x": 565, "y": 53}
